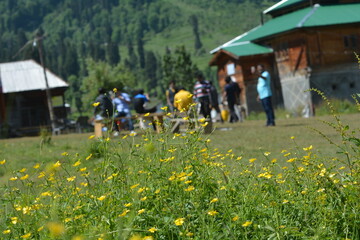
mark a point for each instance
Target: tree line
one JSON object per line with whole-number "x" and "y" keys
{"x": 86, "y": 39}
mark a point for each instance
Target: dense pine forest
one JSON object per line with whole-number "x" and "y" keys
{"x": 122, "y": 43}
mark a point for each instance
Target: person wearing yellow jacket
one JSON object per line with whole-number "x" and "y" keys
{"x": 183, "y": 100}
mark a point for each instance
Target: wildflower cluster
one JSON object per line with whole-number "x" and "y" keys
{"x": 176, "y": 186}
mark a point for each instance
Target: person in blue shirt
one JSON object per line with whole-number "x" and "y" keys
{"x": 122, "y": 108}
{"x": 264, "y": 92}
{"x": 140, "y": 99}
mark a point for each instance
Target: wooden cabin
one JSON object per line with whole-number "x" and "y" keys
{"x": 23, "y": 100}
{"x": 309, "y": 44}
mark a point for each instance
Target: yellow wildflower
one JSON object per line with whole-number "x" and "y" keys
{"x": 141, "y": 190}
{"x": 202, "y": 120}
{"x": 71, "y": 179}
{"x": 124, "y": 213}
{"x": 40, "y": 228}
{"x": 234, "y": 219}
{"x": 214, "y": 200}
{"x": 101, "y": 198}
{"x": 291, "y": 160}
{"x": 146, "y": 114}
{"x": 152, "y": 230}
{"x": 7, "y": 231}
{"x": 56, "y": 229}
{"x": 143, "y": 199}
{"x": 14, "y": 220}
{"x": 96, "y": 104}
{"x": 77, "y": 163}
{"x": 190, "y": 188}
{"x": 26, "y": 236}
{"x": 65, "y": 154}
{"x": 135, "y": 237}
{"x": 134, "y": 186}
{"x": 308, "y": 148}
{"x": 92, "y": 136}
{"x": 24, "y": 177}
{"x": 57, "y": 164}
{"x": 2, "y": 162}
{"x": 115, "y": 90}
{"x": 36, "y": 166}
{"x": 179, "y": 221}
{"x": 147, "y": 238}
{"x": 252, "y": 160}
{"x": 77, "y": 237}
{"x": 212, "y": 212}
{"x": 88, "y": 157}
{"x": 13, "y": 178}
{"x": 45, "y": 194}
{"x": 141, "y": 211}
{"x": 127, "y": 204}
{"x": 204, "y": 124}
{"x": 246, "y": 224}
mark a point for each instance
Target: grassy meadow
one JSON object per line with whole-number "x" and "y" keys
{"x": 298, "y": 180}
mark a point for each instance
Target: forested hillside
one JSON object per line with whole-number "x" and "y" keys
{"x": 132, "y": 43}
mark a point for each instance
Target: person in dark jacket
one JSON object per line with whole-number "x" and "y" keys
{"x": 231, "y": 94}
{"x": 139, "y": 103}
{"x": 103, "y": 105}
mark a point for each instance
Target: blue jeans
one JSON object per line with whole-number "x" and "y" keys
{"x": 267, "y": 105}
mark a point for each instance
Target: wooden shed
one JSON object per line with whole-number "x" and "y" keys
{"x": 312, "y": 44}
{"x": 23, "y": 103}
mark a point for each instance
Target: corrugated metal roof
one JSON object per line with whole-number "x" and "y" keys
{"x": 334, "y": 15}
{"x": 246, "y": 49}
{"x": 303, "y": 18}
{"x": 27, "y": 76}
{"x": 281, "y": 4}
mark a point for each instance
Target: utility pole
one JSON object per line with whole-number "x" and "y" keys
{"x": 38, "y": 40}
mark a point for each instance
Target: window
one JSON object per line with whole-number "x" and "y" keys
{"x": 230, "y": 69}
{"x": 351, "y": 41}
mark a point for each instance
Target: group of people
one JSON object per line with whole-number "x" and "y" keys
{"x": 206, "y": 97}
{"x": 118, "y": 105}
{"x": 179, "y": 99}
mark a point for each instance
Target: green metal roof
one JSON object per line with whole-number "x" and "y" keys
{"x": 303, "y": 18}
{"x": 334, "y": 14}
{"x": 282, "y": 4}
{"x": 307, "y": 17}
{"x": 246, "y": 49}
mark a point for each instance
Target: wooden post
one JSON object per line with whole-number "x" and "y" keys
{"x": 158, "y": 120}
{"x": 98, "y": 125}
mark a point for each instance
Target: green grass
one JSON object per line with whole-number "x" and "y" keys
{"x": 244, "y": 181}
{"x": 248, "y": 139}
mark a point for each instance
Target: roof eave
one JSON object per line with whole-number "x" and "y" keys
{"x": 214, "y": 59}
